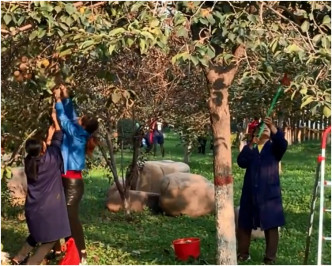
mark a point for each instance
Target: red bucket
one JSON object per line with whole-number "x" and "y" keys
{"x": 187, "y": 247}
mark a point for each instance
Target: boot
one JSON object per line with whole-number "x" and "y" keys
{"x": 23, "y": 254}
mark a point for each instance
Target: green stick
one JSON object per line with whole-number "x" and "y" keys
{"x": 274, "y": 101}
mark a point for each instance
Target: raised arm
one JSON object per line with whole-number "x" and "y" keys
{"x": 279, "y": 143}
{"x": 68, "y": 104}
{"x": 66, "y": 124}
{"x": 54, "y": 136}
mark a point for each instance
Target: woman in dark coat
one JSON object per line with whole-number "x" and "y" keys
{"x": 45, "y": 207}
{"x": 261, "y": 204}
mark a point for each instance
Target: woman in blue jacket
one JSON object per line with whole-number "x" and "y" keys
{"x": 77, "y": 142}
{"x": 261, "y": 204}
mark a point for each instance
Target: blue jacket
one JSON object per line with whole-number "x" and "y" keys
{"x": 75, "y": 137}
{"x": 261, "y": 204}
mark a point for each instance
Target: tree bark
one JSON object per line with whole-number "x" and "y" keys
{"x": 219, "y": 80}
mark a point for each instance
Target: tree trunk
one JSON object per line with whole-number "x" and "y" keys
{"x": 132, "y": 172}
{"x": 219, "y": 80}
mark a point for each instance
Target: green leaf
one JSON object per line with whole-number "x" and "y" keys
{"x": 252, "y": 18}
{"x": 147, "y": 35}
{"x": 274, "y": 45}
{"x": 41, "y": 33}
{"x": 204, "y": 21}
{"x": 7, "y": 18}
{"x": 307, "y": 101}
{"x": 33, "y": 35}
{"x": 87, "y": 44}
{"x": 194, "y": 60}
{"x": 293, "y": 48}
{"x": 69, "y": 21}
{"x": 136, "y": 6}
{"x": 65, "y": 52}
{"x": 175, "y": 58}
{"x": 70, "y": 9}
{"x": 20, "y": 21}
{"x": 327, "y": 111}
{"x": 63, "y": 26}
{"x": 154, "y": 23}
{"x": 327, "y": 20}
{"x": 325, "y": 42}
{"x": 50, "y": 84}
{"x": 305, "y": 26}
{"x": 304, "y": 90}
{"x": 111, "y": 48}
{"x": 231, "y": 36}
{"x": 116, "y": 31}
{"x": 211, "y": 19}
{"x": 227, "y": 57}
{"x": 58, "y": 9}
{"x": 204, "y": 61}
{"x": 181, "y": 32}
{"x": 7, "y": 172}
{"x": 210, "y": 51}
{"x": 142, "y": 45}
{"x": 219, "y": 16}
{"x": 116, "y": 97}
{"x": 78, "y": 36}
{"x": 179, "y": 19}
{"x": 275, "y": 26}
{"x": 130, "y": 42}
{"x": 46, "y": 6}
{"x": 317, "y": 38}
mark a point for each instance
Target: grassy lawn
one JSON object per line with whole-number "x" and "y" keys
{"x": 146, "y": 239}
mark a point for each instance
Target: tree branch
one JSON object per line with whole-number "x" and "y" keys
{"x": 29, "y": 26}
{"x": 294, "y": 25}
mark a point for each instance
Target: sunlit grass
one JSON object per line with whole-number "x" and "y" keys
{"x": 114, "y": 238}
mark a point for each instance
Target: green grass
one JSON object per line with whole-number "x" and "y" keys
{"x": 114, "y": 238}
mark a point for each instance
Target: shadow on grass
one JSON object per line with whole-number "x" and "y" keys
{"x": 11, "y": 238}
{"x": 142, "y": 237}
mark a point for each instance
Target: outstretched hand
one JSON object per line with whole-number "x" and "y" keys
{"x": 64, "y": 91}
{"x": 268, "y": 121}
{"x": 253, "y": 142}
{"x": 57, "y": 94}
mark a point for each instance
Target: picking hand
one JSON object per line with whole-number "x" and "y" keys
{"x": 64, "y": 91}
{"x": 57, "y": 94}
{"x": 268, "y": 121}
{"x": 253, "y": 142}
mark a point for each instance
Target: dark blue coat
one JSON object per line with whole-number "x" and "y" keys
{"x": 261, "y": 204}
{"x": 45, "y": 207}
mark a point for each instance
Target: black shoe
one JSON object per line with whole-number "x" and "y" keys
{"x": 53, "y": 255}
{"x": 241, "y": 258}
{"x": 268, "y": 261}
{"x": 22, "y": 262}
